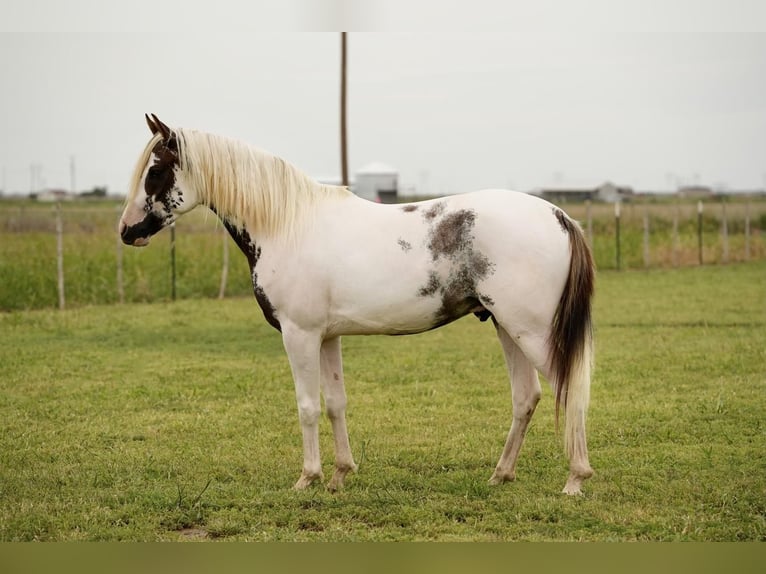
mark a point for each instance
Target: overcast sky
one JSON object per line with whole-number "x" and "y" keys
{"x": 568, "y": 101}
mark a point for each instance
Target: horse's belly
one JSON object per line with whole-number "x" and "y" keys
{"x": 386, "y": 318}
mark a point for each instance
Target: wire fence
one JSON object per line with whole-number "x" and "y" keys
{"x": 70, "y": 254}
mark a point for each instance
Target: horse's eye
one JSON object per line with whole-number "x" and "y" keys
{"x": 152, "y": 174}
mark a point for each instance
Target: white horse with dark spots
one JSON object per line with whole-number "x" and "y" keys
{"x": 325, "y": 263}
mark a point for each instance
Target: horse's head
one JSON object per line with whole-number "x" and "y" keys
{"x": 157, "y": 195}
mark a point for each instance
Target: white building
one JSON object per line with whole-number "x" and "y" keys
{"x": 377, "y": 182}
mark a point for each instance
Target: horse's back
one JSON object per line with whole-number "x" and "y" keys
{"x": 516, "y": 227}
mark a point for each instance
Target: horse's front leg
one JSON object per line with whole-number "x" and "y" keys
{"x": 303, "y": 353}
{"x": 335, "y": 401}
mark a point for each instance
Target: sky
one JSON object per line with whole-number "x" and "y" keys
{"x": 650, "y": 95}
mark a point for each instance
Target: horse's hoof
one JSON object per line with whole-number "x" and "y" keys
{"x": 306, "y": 480}
{"x": 575, "y": 480}
{"x": 501, "y": 477}
{"x": 572, "y": 490}
{"x": 339, "y": 477}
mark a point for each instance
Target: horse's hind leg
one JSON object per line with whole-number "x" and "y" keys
{"x": 335, "y": 401}
{"x": 525, "y": 391}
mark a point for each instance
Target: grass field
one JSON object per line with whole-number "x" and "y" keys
{"x": 177, "y": 421}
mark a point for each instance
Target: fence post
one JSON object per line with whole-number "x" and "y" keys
{"x": 617, "y": 230}
{"x": 60, "y": 254}
{"x": 120, "y": 283}
{"x": 120, "y": 280}
{"x": 724, "y": 232}
{"x": 747, "y": 230}
{"x": 646, "y": 236}
{"x": 676, "y": 239}
{"x": 699, "y": 229}
{"x": 589, "y": 222}
{"x": 225, "y": 267}
{"x": 173, "y": 261}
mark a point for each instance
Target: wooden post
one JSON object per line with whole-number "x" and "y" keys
{"x": 617, "y": 231}
{"x": 120, "y": 274}
{"x": 589, "y": 222}
{"x": 646, "y": 236}
{"x": 675, "y": 239}
{"x": 120, "y": 280}
{"x": 747, "y": 230}
{"x": 724, "y": 232}
{"x": 699, "y": 229}
{"x": 225, "y": 268}
{"x": 60, "y": 255}
{"x": 343, "y": 140}
{"x": 173, "y": 261}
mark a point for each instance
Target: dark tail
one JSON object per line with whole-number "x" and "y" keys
{"x": 571, "y": 339}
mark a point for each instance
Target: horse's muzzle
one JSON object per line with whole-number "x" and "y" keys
{"x": 138, "y": 235}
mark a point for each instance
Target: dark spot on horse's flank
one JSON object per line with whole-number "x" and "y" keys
{"x": 452, "y": 234}
{"x": 434, "y": 211}
{"x": 451, "y": 239}
{"x": 431, "y": 287}
{"x": 409, "y": 208}
{"x": 405, "y": 245}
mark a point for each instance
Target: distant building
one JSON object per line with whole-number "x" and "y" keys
{"x": 52, "y": 195}
{"x": 377, "y": 182}
{"x": 606, "y": 192}
{"x": 700, "y": 191}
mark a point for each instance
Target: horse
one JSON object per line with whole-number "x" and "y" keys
{"x": 325, "y": 263}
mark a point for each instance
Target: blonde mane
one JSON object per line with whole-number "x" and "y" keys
{"x": 245, "y": 186}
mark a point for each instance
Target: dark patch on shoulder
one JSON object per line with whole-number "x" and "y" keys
{"x": 434, "y": 211}
{"x": 243, "y": 240}
{"x": 269, "y": 312}
{"x": 405, "y": 245}
{"x": 409, "y": 208}
{"x": 253, "y": 253}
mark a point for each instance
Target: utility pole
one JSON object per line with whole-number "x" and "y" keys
{"x": 343, "y": 141}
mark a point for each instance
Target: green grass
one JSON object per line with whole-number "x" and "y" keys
{"x": 173, "y": 421}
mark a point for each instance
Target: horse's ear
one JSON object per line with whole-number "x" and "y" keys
{"x": 154, "y": 129}
{"x": 162, "y": 128}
